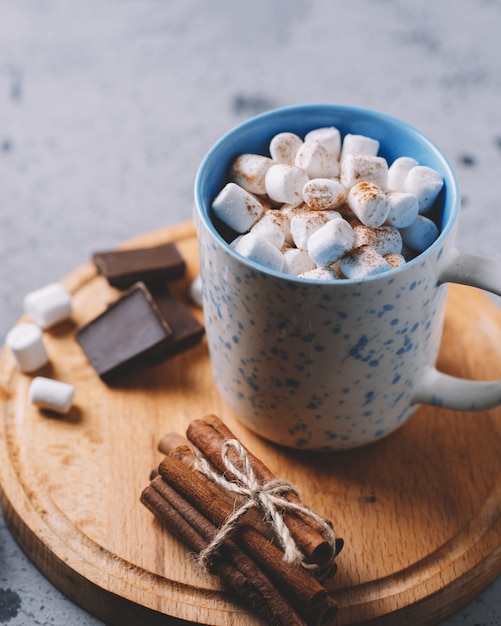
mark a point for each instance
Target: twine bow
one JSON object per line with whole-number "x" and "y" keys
{"x": 268, "y": 497}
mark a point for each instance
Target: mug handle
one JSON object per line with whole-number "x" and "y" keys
{"x": 440, "y": 389}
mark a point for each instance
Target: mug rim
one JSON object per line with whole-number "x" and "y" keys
{"x": 451, "y": 183}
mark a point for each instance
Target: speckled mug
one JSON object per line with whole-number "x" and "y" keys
{"x": 333, "y": 365}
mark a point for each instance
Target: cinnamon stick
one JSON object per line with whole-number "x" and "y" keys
{"x": 231, "y": 564}
{"x": 209, "y": 434}
{"x": 178, "y": 470}
{"x": 307, "y": 594}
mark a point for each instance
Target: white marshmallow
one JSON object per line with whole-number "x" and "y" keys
{"x": 363, "y": 262}
{"x": 404, "y": 208}
{"x": 425, "y": 183}
{"x": 321, "y": 273}
{"x": 316, "y": 160}
{"x": 48, "y": 305}
{"x": 329, "y": 243}
{"x": 249, "y": 170}
{"x": 395, "y": 260}
{"x": 284, "y": 183}
{"x": 398, "y": 170}
{"x": 359, "y": 144}
{"x": 273, "y": 226}
{"x": 321, "y": 194}
{"x": 420, "y": 234}
{"x": 51, "y": 394}
{"x": 304, "y": 224}
{"x": 356, "y": 168}
{"x": 260, "y": 251}
{"x": 329, "y": 137}
{"x": 25, "y": 342}
{"x": 195, "y": 291}
{"x": 385, "y": 239}
{"x": 297, "y": 261}
{"x": 237, "y": 208}
{"x": 284, "y": 146}
{"x": 369, "y": 203}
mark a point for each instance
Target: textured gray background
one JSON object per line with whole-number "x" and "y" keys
{"x": 107, "y": 107}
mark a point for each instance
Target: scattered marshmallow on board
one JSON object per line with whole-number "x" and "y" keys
{"x": 50, "y": 394}
{"x": 25, "y": 341}
{"x": 48, "y": 305}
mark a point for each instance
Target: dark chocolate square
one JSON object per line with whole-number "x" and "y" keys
{"x": 152, "y": 266}
{"x": 130, "y": 332}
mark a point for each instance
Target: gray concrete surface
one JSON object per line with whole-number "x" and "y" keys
{"x": 107, "y": 107}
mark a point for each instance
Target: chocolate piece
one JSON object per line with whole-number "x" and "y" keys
{"x": 186, "y": 329}
{"x": 153, "y": 265}
{"x": 131, "y": 332}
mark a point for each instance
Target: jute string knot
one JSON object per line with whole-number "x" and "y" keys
{"x": 268, "y": 497}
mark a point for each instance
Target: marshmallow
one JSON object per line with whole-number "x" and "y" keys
{"x": 420, "y": 234}
{"x": 237, "y": 208}
{"x": 359, "y": 144}
{"x": 284, "y": 146}
{"x": 329, "y": 137}
{"x": 398, "y": 170}
{"x": 363, "y": 262}
{"x": 51, "y": 394}
{"x": 404, "y": 208}
{"x": 304, "y": 224}
{"x": 48, "y": 305}
{"x": 284, "y": 183}
{"x": 296, "y": 261}
{"x": 385, "y": 239}
{"x": 329, "y": 243}
{"x": 361, "y": 167}
{"x": 316, "y": 160}
{"x": 395, "y": 260}
{"x": 195, "y": 291}
{"x": 322, "y": 273}
{"x": 425, "y": 183}
{"x": 25, "y": 341}
{"x": 321, "y": 194}
{"x": 260, "y": 251}
{"x": 369, "y": 203}
{"x": 273, "y": 226}
{"x": 249, "y": 170}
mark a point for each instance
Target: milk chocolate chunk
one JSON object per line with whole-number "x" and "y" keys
{"x": 152, "y": 266}
{"x": 186, "y": 329}
{"x": 130, "y": 332}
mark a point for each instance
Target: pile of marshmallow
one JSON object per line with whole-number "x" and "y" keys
{"x": 326, "y": 208}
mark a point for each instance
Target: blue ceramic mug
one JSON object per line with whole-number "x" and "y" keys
{"x": 337, "y": 364}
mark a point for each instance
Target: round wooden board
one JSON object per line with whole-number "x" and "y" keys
{"x": 420, "y": 511}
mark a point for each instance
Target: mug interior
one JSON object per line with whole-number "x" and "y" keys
{"x": 396, "y": 139}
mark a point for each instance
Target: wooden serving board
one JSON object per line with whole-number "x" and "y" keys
{"x": 420, "y": 511}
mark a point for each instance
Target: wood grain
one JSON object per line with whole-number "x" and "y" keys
{"x": 420, "y": 511}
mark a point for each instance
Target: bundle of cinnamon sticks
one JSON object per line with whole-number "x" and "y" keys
{"x": 194, "y": 506}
